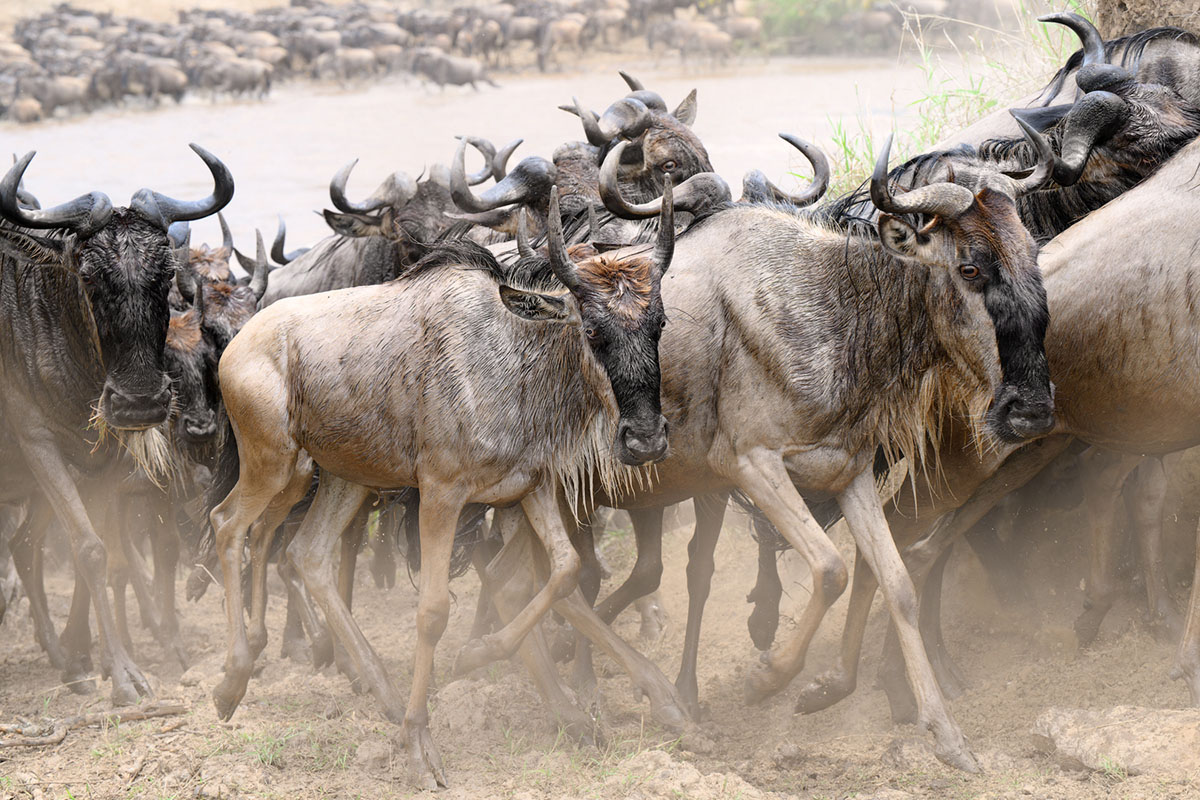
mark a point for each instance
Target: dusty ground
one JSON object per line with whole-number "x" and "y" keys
{"x": 300, "y": 734}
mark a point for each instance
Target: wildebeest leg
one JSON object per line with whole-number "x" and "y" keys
{"x": 1187, "y": 657}
{"x": 665, "y": 703}
{"x": 26, "y": 547}
{"x": 439, "y": 514}
{"x": 1102, "y": 492}
{"x": 860, "y": 505}
{"x": 582, "y": 532}
{"x": 948, "y": 675}
{"x": 295, "y": 646}
{"x": 263, "y": 535}
{"x": 383, "y": 548}
{"x": 264, "y": 472}
{"x": 763, "y": 477}
{"x": 76, "y": 639}
{"x": 312, "y": 551}
{"x": 988, "y": 480}
{"x": 1148, "y": 485}
{"x": 542, "y": 509}
{"x": 1021, "y": 467}
{"x": 647, "y": 570}
{"x": 44, "y": 460}
{"x": 165, "y": 544}
{"x": 766, "y": 594}
{"x": 710, "y": 513}
{"x": 509, "y": 578}
{"x": 352, "y": 539}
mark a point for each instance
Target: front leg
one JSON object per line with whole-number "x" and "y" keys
{"x": 860, "y": 505}
{"x": 761, "y": 474}
{"x": 48, "y": 468}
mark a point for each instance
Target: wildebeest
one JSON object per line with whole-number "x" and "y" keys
{"x": 588, "y": 368}
{"x": 83, "y": 308}
{"x": 833, "y": 340}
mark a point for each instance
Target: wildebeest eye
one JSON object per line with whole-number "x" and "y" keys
{"x": 969, "y": 271}
{"x": 667, "y": 166}
{"x": 590, "y": 333}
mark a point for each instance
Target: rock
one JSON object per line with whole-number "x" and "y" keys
{"x": 1125, "y": 740}
{"x": 375, "y": 756}
{"x": 787, "y": 756}
{"x": 658, "y": 775}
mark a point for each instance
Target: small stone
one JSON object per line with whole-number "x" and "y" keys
{"x": 375, "y": 756}
{"x": 787, "y": 756}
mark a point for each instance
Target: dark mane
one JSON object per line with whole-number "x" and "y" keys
{"x": 456, "y": 253}
{"x": 1134, "y": 47}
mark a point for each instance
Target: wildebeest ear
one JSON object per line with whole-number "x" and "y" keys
{"x": 534, "y": 306}
{"x": 685, "y": 112}
{"x": 901, "y": 238}
{"x": 353, "y": 224}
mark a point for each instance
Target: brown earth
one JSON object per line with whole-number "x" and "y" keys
{"x": 300, "y": 734}
{"x": 1120, "y": 17}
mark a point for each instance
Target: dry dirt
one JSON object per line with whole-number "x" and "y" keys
{"x": 300, "y": 734}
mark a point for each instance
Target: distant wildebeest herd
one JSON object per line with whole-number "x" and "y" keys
{"x": 468, "y": 375}
{"x": 79, "y": 60}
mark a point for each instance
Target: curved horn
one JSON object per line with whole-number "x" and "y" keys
{"x": 488, "y": 151}
{"x": 756, "y": 183}
{"x": 628, "y": 117}
{"x": 1094, "y": 118}
{"x": 500, "y": 161}
{"x": 633, "y": 83}
{"x": 258, "y": 279}
{"x": 664, "y": 247}
{"x": 697, "y": 195}
{"x": 277, "y": 251}
{"x": 1044, "y": 170}
{"x": 532, "y": 177}
{"x": 1093, "y": 42}
{"x": 523, "y": 248}
{"x": 652, "y": 100}
{"x": 591, "y": 128}
{"x": 259, "y": 268}
{"x": 940, "y": 199}
{"x": 163, "y": 210}
{"x": 226, "y": 235}
{"x": 610, "y": 189}
{"x": 23, "y": 197}
{"x": 179, "y": 233}
{"x": 197, "y": 300}
{"x": 560, "y": 260}
{"x": 84, "y": 215}
{"x": 395, "y": 191}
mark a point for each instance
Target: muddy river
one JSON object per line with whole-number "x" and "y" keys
{"x": 284, "y": 150}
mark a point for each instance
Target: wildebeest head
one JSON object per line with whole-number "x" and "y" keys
{"x": 125, "y": 263}
{"x": 616, "y": 302}
{"x": 662, "y": 142}
{"x": 191, "y": 367}
{"x": 985, "y": 293}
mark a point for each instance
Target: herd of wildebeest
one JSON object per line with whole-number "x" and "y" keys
{"x": 79, "y": 60}
{"x": 467, "y": 375}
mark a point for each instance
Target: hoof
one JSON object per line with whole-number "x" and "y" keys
{"x": 763, "y": 624}
{"x": 475, "y": 654}
{"x": 1087, "y": 626}
{"x": 128, "y": 685}
{"x": 760, "y": 683}
{"x": 959, "y": 757}
{"x": 197, "y": 584}
{"x": 424, "y": 764}
{"x": 823, "y": 692}
{"x": 79, "y": 680}
{"x": 226, "y": 696}
{"x": 322, "y": 651}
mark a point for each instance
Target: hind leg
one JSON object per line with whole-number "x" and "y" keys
{"x": 263, "y": 475}
{"x": 260, "y": 550}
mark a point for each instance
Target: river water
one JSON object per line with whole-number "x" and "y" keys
{"x": 284, "y": 150}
